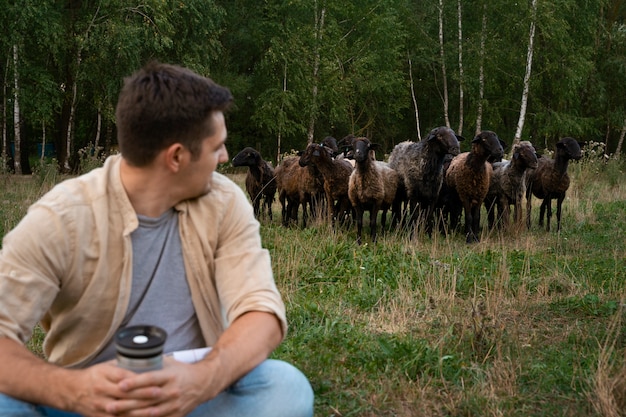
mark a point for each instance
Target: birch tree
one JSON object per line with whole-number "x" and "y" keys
{"x": 17, "y": 156}
{"x": 481, "y": 71}
{"x": 443, "y": 66}
{"x": 460, "y": 25}
{"x": 319, "y": 30}
{"x": 529, "y": 64}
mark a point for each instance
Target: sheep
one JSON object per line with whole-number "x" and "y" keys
{"x": 420, "y": 173}
{"x": 508, "y": 184}
{"x": 260, "y": 179}
{"x": 372, "y": 186}
{"x": 469, "y": 176}
{"x": 336, "y": 174}
{"x": 550, "y": 181}
{"x": 297, "y": 186}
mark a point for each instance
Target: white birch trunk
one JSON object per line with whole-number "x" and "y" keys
{"x": 443, "y": 66}
{"x": 481, "y": 72}
{"x": 96, "y": 141}
{"x": 460, "y": 130}
{"x": 5, "y": 150}
{"x": 417, "y": 114}
{"x": 319, "y": 26}
{"x": 16, "y": 115}
{"x": 618, "y": 151}
{"x": 43, "y": 140}
{"x": 70, "y": 124}
{"x": 529, "y": 64}
{"x": 282, "y": 117}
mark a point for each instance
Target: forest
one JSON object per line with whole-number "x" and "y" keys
{"x": 301, "y": 70}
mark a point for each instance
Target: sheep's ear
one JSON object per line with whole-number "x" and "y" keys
{"x": 459, "y": 138}
{"x": 477, "y": 138}
{"x": 503, "y": 144}
{"x": 374, "y": 146}
{"x": 433, "y": 134}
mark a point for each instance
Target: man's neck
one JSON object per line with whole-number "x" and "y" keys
{"x": 148, "y": 189}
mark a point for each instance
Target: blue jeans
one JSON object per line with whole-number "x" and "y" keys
{"x": 274, "y": 388}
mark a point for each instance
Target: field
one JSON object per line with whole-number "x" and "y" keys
{"x": 521, "y": 324}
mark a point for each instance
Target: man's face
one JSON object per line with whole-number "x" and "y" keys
{"x": 199, "y": 172}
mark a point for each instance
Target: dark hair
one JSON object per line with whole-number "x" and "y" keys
{"x": 162, "y": 104}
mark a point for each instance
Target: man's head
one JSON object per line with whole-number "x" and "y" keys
{"x": 162, "y": 104}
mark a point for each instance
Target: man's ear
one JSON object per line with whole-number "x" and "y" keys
{"x": 174, "y": 156}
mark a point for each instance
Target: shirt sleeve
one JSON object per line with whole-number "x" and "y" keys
{"x": 243, "y": 269}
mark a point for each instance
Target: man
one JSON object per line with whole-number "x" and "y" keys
{"x": 153, "y": 237}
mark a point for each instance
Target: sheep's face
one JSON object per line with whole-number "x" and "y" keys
{"x": 446, "y": 139}
{"x": 363, "y": 149}
{"x": 570, "y": 147}
{"x": 491, "y": 143}
{"x": 525, "y": 153}
{"x": 314, "y": 152}
{"x": 247, "y": 157}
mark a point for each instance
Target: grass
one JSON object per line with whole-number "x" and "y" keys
{"x": 523, "y": 324}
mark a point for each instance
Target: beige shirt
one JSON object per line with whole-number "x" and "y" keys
{"x": 68, "y": 264}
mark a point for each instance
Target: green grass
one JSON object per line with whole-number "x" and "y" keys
{"x": 523, "y": 324}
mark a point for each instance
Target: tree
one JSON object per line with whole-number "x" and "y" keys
{"x": 529, "y": 64}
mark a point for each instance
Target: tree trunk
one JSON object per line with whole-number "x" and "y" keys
{"x": 319, "y": 26}
{"x": 618, "y": 151}
{"x": 481, "y": 72}
{"x": 69, "y": 137}
{"x": 96, "y": 141}
{"x": 43, "y": 141}
{"x": 17, "y": 156}
{"x": 460, "y": 130}
{"x": 417, "y": 114}
{"x": 443, "y": 66}
{"x": 4, "y": 152}
{"x": 529, "y": 64}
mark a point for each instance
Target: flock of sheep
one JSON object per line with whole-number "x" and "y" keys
{"x": 427, "y": 184}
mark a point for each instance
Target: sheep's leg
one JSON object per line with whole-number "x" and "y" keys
{"x": 359, "y": 223}
{"x": 490, "y": 205}
{"x": 529, "y": 196}
{"x": 373, "y": 215}
{"x": 559, "y": 204}
{"x": 546, "y": 208}
{"x": 467, "y": 208}
{"x": 542, "y": 211}
{"x": 476, "y": 222}
{"x": 268, "y": 205}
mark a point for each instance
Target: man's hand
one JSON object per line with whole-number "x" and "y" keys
{"x": 173, "y": 391}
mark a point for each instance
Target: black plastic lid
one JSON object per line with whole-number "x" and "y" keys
{"x": 140, "y": 341}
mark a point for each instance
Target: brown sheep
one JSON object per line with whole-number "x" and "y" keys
{"x": 508, "y": 185}
{"x": 550, "y": 181}
{"x": 372, "y": 186}
{"x": 336, "y": 173}
{"x": 260, "y": 180}
{"x": 469, "y": 176}
{"x": 297, "y": 186}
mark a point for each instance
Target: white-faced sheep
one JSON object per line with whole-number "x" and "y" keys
{"x": 469, "y": 176}
{"x": 550, "y": 181}
{"x": 420, "y": 174}
{"x": 297, "y": 186}
{"x": 372, "y": 186}
{"x": 260, "y": 180}
{"x": 336, "y": 173}
{"x": 508, "y": 185}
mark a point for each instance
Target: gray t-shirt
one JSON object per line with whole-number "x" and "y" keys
{"x": 160, "y": 293}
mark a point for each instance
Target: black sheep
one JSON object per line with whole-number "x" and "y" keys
{"x": 260, "y": 179}
{"x": 550, "y": 181}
